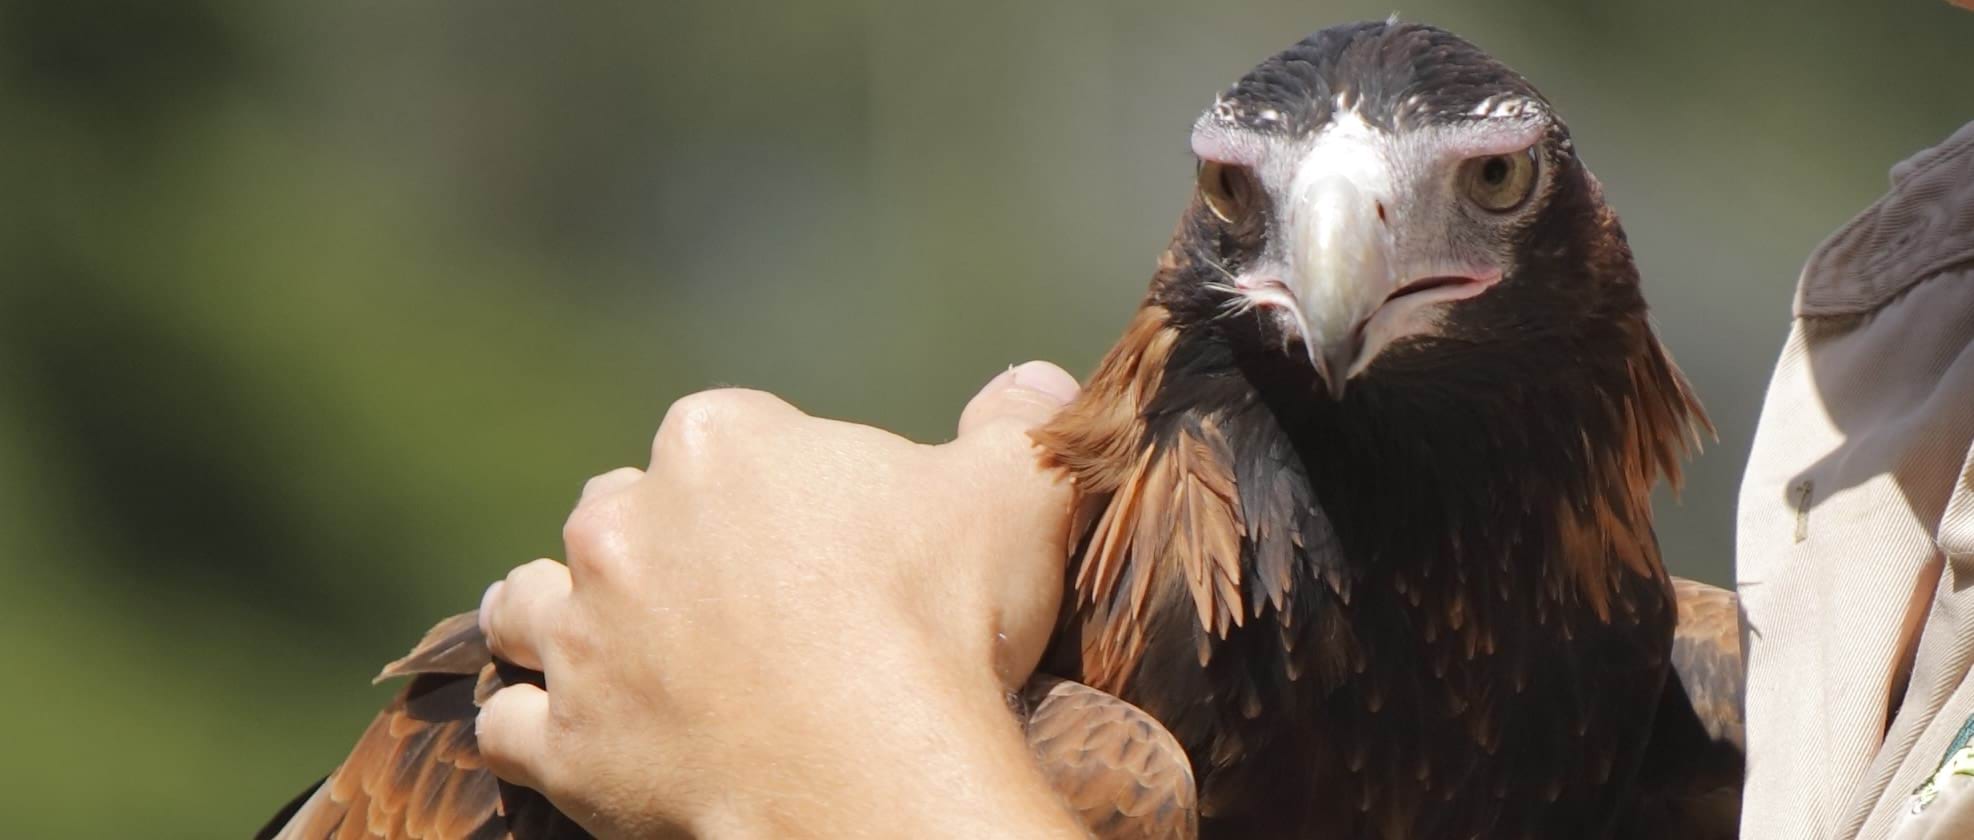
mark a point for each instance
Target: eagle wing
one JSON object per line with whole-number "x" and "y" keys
{"x": 1706, "y": 655}
{"x": 1690, "y": 784}
{"x": 417, "y": 772}
{"x": 1116, "y": 767}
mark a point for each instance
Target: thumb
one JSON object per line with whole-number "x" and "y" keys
{"x": 1026, "y": 503}
{"x": 1025, "y": 396}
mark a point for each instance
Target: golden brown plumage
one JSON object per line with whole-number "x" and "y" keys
{"x": 1116, "y": 768}
{"x": 416, "y": 772}
{"x": 1161, "y": 524}
{"x": 1706, "y": 652}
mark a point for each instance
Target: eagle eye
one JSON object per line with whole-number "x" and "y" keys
{"x": 1231, "y": 193}
{"x": 1499, "y": 183}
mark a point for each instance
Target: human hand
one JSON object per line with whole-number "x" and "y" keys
{"x": 791, "y": 625}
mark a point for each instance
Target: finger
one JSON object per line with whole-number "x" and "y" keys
{"x": 516, "y": 614}
{"x": 1024, "y": 396}
{"x": 1028, "y": 503}
{"x": 512, "y": 729}
{"x": 610, "y": 482}
{"x": 995, "y": 445}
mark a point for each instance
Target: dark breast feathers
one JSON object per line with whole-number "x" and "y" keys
{"x": 1401, "y": 668}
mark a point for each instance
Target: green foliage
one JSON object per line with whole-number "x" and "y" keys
{"x": 314, "y": 318}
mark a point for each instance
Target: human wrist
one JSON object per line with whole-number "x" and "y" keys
{"x": 934, "y": 753}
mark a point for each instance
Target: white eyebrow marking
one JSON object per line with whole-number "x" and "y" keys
{"x": 1506, "y": 105}
{"x": 1220, "y": 140}
{"x": 1480, "y": 139}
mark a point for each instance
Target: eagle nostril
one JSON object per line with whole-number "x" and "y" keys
{"x": 1381, "y": 213}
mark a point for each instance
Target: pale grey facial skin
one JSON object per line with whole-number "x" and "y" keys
{"x": 1372, "y": 236}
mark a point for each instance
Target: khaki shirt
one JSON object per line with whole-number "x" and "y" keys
{"x": 1855, "y": 555}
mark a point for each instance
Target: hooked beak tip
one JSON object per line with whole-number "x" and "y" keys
{"x": 1335, "y": 376}
{"x": 1336, "y": 362}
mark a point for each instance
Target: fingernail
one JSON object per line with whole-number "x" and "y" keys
{"x": 1000, "y": 380}
{"x": 1046, "y": 379}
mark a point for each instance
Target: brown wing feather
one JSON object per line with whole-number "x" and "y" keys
{"x": 1706, "y": 654}
{"x": 1116, "y": 767}
{"x": 1154, "y": 508}
{"x": 452, "y": 646}
{"x": 1690, "y": 785}
{"x": 416, "y": 772}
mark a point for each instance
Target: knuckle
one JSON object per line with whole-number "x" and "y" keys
{"x": 591, "y": 534}
{"x": 535, "y": 570}
{"x": 517, "y": 580}
{"x": 699, "y": 419}
{"x": 511, "y": 609}
{"x": 614, "y": 478}
{"x": 700, "y": 425}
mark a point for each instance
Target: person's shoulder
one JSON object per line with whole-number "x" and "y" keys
{"x": 1923, "y": 226}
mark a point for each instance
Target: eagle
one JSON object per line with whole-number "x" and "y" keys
{"x": 1363, "y": 539}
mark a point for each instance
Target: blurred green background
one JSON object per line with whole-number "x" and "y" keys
{"x": 314, "y": 317}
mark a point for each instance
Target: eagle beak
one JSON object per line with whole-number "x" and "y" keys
{"x": 1342, "y": 269}
{"x": 1352, "y": 294}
